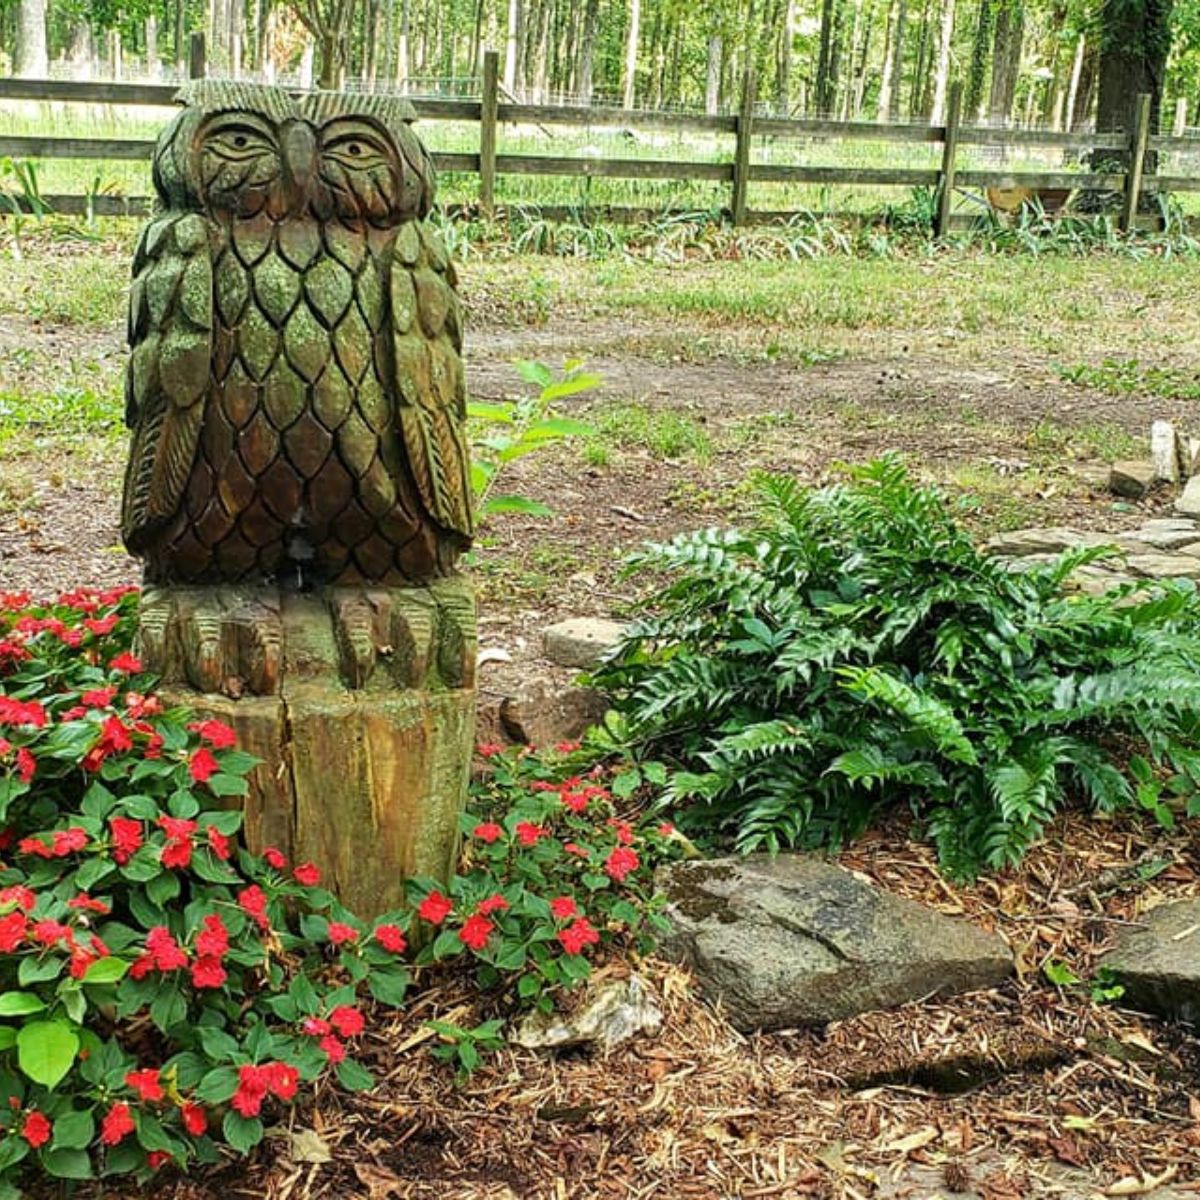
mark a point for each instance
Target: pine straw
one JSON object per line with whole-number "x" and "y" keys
{"x": 1045, "y": 1082}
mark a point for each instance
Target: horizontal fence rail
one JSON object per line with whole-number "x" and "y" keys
{"x": 1129, "y": 173}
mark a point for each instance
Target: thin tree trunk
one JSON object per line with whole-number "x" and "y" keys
{"x": 860, "y": 77}
{"x": 1073, "y": 86}
{"x": 402, "y": 42}
{"x": 783, "y": 61}
{"x": 513, "y": 42}
{"x": 712, "y": 76}
{"x": 153, "y": 66}
{"x": 587, "y": 50}
{"x": 629, "y": 88}
{"x": 824, "y": 52}
{"x": 81, "y": 53}
{"x": 1006, "y": 60}
{"x": 893, "y": 111}
{"x": 941, "y": 78}
{"x": 889, "y": 62}
{"x": 977, "y": 73}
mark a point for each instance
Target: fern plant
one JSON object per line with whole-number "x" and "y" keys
{"x": 854, "y": 650}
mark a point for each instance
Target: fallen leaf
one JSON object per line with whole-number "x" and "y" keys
{"x": 1132, "y": 1185}
{"x": 914, "y": 1141}
{"x": 307, "y": 1146}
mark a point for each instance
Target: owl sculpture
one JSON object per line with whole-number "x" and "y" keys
{"x": 296, "y": 388}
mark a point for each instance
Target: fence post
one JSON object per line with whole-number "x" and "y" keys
{"x": 1137, "y": 162}
{"x": 489, "y": 105}
{"x": 741, "y": 157}
{"x": 949, "y": 154}
{"x": 196, "y": 61}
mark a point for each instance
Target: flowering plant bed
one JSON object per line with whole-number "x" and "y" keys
{"x": 162, "y": 989}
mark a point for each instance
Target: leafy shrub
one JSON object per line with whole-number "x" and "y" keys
{"x": 161, "y": 988}
{"x": 855, "y": 649}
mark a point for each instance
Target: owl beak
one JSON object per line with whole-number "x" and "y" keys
{"x": 299, "y": 144}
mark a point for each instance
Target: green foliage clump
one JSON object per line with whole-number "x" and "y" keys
{"x": 855, "y": 650}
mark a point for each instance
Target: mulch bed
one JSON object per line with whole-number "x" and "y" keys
{"x": 1022, "y": 1091}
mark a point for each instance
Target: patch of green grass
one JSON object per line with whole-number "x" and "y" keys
{"x": 663, "y": 432}
{"x": 64, "y": 413}
{"x": 1050, "y": 441}
{"x": 1000, "y": 501}
{"x": 507, "y": 580}
{"x": 87, "y": 288}
{"x": 1127, "y": 376}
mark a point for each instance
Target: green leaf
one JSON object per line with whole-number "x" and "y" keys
{"x": 227, "y": 785}
{"x": 46, "y": 1051}
{"x": 168, "y": 1009}
{"x": 8, "y": 1037}
{"x": 39, "y": 970}
{"x": 388, "y": 987}
{"x": 217, "y": 1044}
{"x": 354, "y": 1077}
{"x": 105, "y": 970}
{"x": 521, "y": 505}
{"x": 74, "y": 1130}
{"x": 218, "y": 1085}
{"x": 1059, "y": 974}
{"x": 67, "y": 1163}
{"x": 20, "y": 1004}
{"x": 164, "y": 888}
{"x": 243, "y": 1133}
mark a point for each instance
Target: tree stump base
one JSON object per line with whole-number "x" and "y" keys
{"x": 360, "y": 702}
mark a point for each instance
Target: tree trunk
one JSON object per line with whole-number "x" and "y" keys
{"x": 587, "y": 50}
{"x": 629, "y": 89}
{"x": 893, "y": 111}
{"x": 1073, "y": 86}
{"x": 180, "y": 42}
{"x": 1135, "y": 41}
{"x": 712, "y": 76}
{"x": 81, "y": 52}
{"x": 977, "y": 72}
{"x": 857, "y": 90}
{"x": 885, "y": 81}
{"x": 783, "y": 61}
{"x": 512, "y": 44}
{"x": 941, "y": 79}
{"x": 824, "y": 53}
{"x": 917, "y": 94}
{"x": 1006, "y": 60}
{"x": 402, "y": 41}
{"x": 152, "y": 64}
{"x": 29, "y": 49}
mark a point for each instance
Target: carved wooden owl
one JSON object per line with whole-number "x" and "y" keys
{"x": 296, "y": 388}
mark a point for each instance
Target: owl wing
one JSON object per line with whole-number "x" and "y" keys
{"x": 171, "y": 336}
{"x": 430, "y": 382}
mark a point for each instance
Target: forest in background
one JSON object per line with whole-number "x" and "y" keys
{"x": 1062, "y": 64}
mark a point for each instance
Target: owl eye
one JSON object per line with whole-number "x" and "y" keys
{"x": 237, "y": 142}
{"x": 358, "y": 151}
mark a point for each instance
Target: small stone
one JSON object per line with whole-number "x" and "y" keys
{"x": 1159, "y": 965}
{"x": 1188, "y": 502}
{"x": 1024, "y": 542}
{"x": 794, "y": 940}
{"x": 1164, "y": 451}
{"x": 1132, "y": 478}
{"x": 1164, "y": 566}
{"x": 610, "y": 1013}
{"x": 542, "y": 714}
{"x": 1162, "y": 535}
{"x": 582, "y": 641}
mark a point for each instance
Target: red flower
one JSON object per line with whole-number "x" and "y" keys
{"x": 19, "y": 895}
{"x": 488, "y": 832}
{"x": 126, "y": 837}
{"x": 563, "y": 907}
{"x": 307, "y": 874}
{"x": 529, "y": 834}
{"x": 177, "y": 853}
{"x": 37, "y": 1129}
{"x": 253, "y": 902}
{"x": 666, "y": 829}
{"x": 577, "y": 935}
{"x": 334, "y": 1050}
{"x": 115, "y": 735}
{"x": 216, "y": 733}
{"x": 213, "y": 940}
{"x": 496, "y": 903}
{"x": 202, "y": 766}
{"x": 49, "y": 933}
{"x": 475, "y": 931}
{"x": 102, "y": 626}
{"x": 21, "y": 712}
{"x": 391, "y": 937}
{"x": 347, "y": 1020}
{"x": 69, "y": 841}
{"x": 117, "y": 1125}
{"x": 85, "y": 903}
{"x": 315, "y": 1027}
{"x": 35, "y": 847}
{"x": 435, "y": 908}
{"x": 218, "y": 843}
{"x": 339, "y": 933}
{"x": 208, "y": 973}
{"x": 568, "y": 747}
{"x": 143, "y": 706}
{"x": 577, "y": 802}
{"x": 624, "y": 831}
{"x": 251, "y": 1090}
{"x": 274, "y": 858}
{"x": 146, "y": 1084}
{"x": 282, "y": 1080}
{"x": 26, "y": 765}
{"x": 164, "y": 951}
{"x": 12, "y": 931}
{"x": 127, "y": 664}
{"x": 157, "y": 1159}
{"x": 572, "y": 848}
{"x": 489, "y": 749}
{"x": 620, "y": 862}
{"x": 194, "y": 1119}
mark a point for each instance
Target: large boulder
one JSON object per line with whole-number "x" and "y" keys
{"x": 1159, "y": 964}
{"x": 794, "y": 940}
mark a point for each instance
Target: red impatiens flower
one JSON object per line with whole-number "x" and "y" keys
{"x": 496, "y": 903}
{"x": 49, "y": 933}
{"x": 213, "y": 940}
{"x": 307, "y": 874}
{"x": 37, "y": 1129}
{"x": 202, "y": 766}
{"x": 26, "y": 765}
{"x": 85, "y": 903}
{"x": 391, "y": 937}
{"x": 315, "y": 1027}
{"x": 347, "y": 1020}
{"x": 283, "y": 1080}
{"x": 435, "y": 908}
{"x": 575, "y": 849}
{"x": 274, "y": 858}
{"x": 21, "y": 896}
{"x": 216, "y": 733}
{"x": 117, "y": 1125}
{"x": 21, "y": 712}
{"x": 126, "y": 838}
{"x": 177, "y": 851}
{"x": 140, "y": 706}
{"x": 489, "y": 749}
{"x": 624, "y": 831}
{"x": 218, "y": 843}
{"x": 146, "y": 1083}
{"x": 253, "y": 1082}
{"x": 620, "y": 862}
{"x": 102, "y": 626}
{"x": 334, "y": 1050}
{"x": 12, "y": 931}
{"x": 567, "y": 747}
{"x": 488, "y": 832}
{"x": 563, "y": 907}
{"x": 340, "y": 933}
{"x": 98, "y": 697}
{"x": 157, "y": 1159}
{"x": 475, "y": 931}
{"x": 529, "y": 834}
{"x": 126, "y": 663}
{"x": 208, "y": 973}
{"x": 164, "y": 950}
{"x": 577, "y": 935}
{"x": 253, "y": 901}
{"x": 666, "y": 829}
{"x": 194, "y": 1119}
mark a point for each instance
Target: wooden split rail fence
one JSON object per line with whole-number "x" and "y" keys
{"x": 1136, "y": 148}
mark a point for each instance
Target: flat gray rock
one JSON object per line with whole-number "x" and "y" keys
{"x": 1188, "y": 502}
{"x": 1051, "y": 541}
{"x": 1160, "y": 963}
{"x": 1132, "y": 478}
{"x": 581, "y": 641}
{"x": 794, "y": 940}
